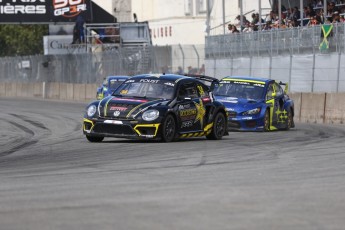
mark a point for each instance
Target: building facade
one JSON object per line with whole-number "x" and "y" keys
{"x": 181, "y": 21}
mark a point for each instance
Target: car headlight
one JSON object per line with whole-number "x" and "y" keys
{"x": 91, "y": 111}
{"x": 252, "y": 111}
{"x": 150, "y": 115}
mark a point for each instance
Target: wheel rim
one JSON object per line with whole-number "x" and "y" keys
{"x": 220, "y": 126}
{"x": 169, "y": 131}
{"x": 289, "y": 120}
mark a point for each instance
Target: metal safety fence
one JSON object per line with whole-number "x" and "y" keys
{"x": 297, "y": 40}
{"x": 93, "y": 67}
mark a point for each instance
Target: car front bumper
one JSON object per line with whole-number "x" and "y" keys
{"x": 245, "y": 123}
{"x": 120, "y": 128}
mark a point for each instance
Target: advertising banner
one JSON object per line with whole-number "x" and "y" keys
{"x": 48, "y": 11}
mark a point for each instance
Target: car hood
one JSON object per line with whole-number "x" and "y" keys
{"x": 119, "y": 107}
{"x": 239, "y": 104}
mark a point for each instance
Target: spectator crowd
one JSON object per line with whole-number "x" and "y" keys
{"x": 313, "y": 14}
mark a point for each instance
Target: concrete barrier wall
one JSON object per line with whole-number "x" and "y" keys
{"x": 309, "y": 107}
{"x": 335, "y": 108}
{"x": 51, "y": 90}
{"x": 313, "y": 107}
{"x": 319, "y": 107}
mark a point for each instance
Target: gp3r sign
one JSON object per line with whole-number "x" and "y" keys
{"x": 68, "y": 8}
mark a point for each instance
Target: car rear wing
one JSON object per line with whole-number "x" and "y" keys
{"x": 286, "y": 87}
{"x": 211, "y": 82}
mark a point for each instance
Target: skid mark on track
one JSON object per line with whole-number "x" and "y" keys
{"x": 34, "y": 123}
{"x": 20, "y": 145}
{"x": 25, "y": 129}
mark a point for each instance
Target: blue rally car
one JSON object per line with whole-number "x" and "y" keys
{"x": 108, "y": 86}
{"x": 255, "y": 104}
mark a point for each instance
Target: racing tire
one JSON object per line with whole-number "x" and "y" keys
{"x": 267, "y": 121}
{"x": 168, "y": 129}
{"x": 289, "y": 120}
{"x": 218, "y": 128}
{"x": 94, "y": 138}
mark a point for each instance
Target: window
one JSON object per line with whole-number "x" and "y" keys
{"x": 188, "y": 90}
{"x": 279, "y": 90}
{"x": 188, "y": 7}
{"x": 202, "y": 6}
{"x": 270, "y": 91}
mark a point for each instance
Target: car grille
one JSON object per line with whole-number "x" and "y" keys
{"x": 113, "y": 129}
{"x": 234, "y": 124}
{"x": 251, "y": 124}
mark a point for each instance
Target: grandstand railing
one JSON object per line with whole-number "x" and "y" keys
{"x": 298, "y": 40}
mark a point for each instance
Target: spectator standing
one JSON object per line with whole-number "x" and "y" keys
{"x": 248, "y": 28}
{"x": 255, "y": 19}
{"x": 271, "y": 17}
{"x": 331, "y": 9}
{"x": 192, "y": 70}
{"x": 180, "y": 70}
{"x": 234, "y": 30}
{"x": 336, "y": 17}
{"x": 78, "y": 31}
{"x": 230, "y": 28}
{"x": 244, "y": 21}
{"x": 202, "y": 70}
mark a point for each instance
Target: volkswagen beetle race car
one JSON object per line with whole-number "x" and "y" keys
{"x": 157, "y": 106}
{"x": 108, "y": 86}
{"x": 255, "y": 104}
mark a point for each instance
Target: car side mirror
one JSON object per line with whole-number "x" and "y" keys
{"x": 214, "y": 85}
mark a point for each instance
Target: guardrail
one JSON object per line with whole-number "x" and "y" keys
{"x": 309, "y": 107}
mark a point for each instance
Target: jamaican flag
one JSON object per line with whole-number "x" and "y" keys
{"x": 326, "y": 30}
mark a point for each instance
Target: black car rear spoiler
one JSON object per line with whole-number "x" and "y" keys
{"x": 214, "y": 81}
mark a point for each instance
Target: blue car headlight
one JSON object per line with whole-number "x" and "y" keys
{"x": 150, "y": 115}
{"x": 252, "y": 111}
{"x": 91, "y": 111}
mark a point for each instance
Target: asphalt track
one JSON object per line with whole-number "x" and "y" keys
{"x": 52, "y": 178}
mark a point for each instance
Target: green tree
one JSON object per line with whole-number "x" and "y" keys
{"x": 22, "y": 40}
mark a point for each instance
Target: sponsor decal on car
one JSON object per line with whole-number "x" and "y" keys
{"x": 200, "y": 113}
{"x": 187, "y": 124}
{"x": 232, "y": 100}
{"x": 149, "y": 81}
{"x": 113, "y": 122}
{"x": 187, "y": 112}
{"x": 169, "y": 84}
{"x": 113, "y": 108}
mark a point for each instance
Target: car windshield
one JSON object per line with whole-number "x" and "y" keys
{"x": 240, "y": 89}
{"x": 146, "y": 88}
{"x": 114, "y": 83}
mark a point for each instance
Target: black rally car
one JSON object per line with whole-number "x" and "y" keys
{"x": 158, "y": 106}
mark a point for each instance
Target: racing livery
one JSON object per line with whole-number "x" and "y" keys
{"x": 157, "y": 106}
{"x": 255, "y": 104}
{"x": 108, "y": 86}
